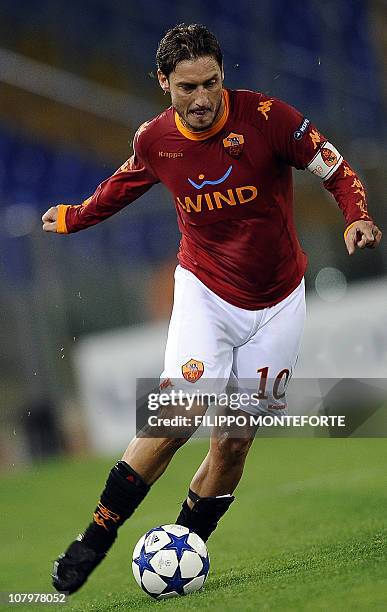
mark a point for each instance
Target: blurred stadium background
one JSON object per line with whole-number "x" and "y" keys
{"x": 76, "y": 80}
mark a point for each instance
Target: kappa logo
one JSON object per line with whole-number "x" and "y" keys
{"x": 103, "y": 515}
{"x": 264, "y": 107}
{"x": 315, "y": 137}
{"x": 192, "y": 370}
{"x": 215, "y": 182}
{"x": 359, "y": 187}
{"x": 233, "y": 143}
{"x": 348, "y": 171}
{"x": 171, "y": 154}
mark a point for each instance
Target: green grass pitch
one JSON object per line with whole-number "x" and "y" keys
{"x": 306, "y": 532}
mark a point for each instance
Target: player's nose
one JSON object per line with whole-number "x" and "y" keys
{"x": 201, "y": 98}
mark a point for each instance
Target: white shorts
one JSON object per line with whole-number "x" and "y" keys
{"x": 212, "y": 343}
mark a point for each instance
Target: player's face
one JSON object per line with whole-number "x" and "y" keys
{"x": 196, "y": 91}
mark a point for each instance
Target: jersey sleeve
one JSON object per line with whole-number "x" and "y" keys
{"x": 291, "y": 136}
{"x": 127, "y": 184}
{"x": 297, "y": 142}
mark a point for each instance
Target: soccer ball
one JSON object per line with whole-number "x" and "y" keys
{"x": 170, "y": 560}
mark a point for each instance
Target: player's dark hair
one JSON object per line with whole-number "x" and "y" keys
{"x": 186, "y": 42}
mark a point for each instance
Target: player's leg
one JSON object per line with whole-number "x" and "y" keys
{"x": 222, "y": 468}
{"x": 151, "y": 456}
{"x": 129, "y": 481}
{"x": 193, "y": 335}
{"x": 273, "y": 348}
{"x": 125, "y": 488}
{"x": 214, "y": 332}
{"x": 211, "y": 489}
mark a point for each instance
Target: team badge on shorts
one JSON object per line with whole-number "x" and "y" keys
{"x": 192, "y": 370}
{"x": 233, "y": 143}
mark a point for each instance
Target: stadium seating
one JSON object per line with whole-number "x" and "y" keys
{"x": 35, "y": 176}
{"x": 310, "y": 54}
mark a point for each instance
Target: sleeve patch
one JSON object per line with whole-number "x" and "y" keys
{"x": 325, "y": 162}
{"x": 300, "y": 131}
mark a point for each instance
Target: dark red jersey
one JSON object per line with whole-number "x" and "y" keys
{"x": 233, "y": 192}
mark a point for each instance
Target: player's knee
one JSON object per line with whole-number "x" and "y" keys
{"x": 232, "y": 451}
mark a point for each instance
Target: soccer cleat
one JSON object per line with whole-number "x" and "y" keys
{"x": 73, "y": 567}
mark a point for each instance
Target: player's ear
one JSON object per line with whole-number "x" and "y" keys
{"x": 163, "y": 81}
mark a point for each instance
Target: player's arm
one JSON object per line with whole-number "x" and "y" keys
{"x": 347, "y": 189}
{"x": 127, "y": 184}
{"x": 349, "y": 192}
{"x": 300, "y": 144}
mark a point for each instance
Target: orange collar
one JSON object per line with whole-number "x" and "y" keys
{"x": 212, "y": 130}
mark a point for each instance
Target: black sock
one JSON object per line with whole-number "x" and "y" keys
{"x": 124, "y": 491}
{"x": 205, "y": 514}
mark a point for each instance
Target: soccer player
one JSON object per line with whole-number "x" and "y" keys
{"x": 226, "y": 156}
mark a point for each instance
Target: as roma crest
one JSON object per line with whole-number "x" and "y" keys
{"x": 233, "y": 143}
{"x": 192, "y": 370}
{"x": 329, "y": 156}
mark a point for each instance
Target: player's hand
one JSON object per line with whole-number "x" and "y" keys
{"x": 49, "y": 219}
{"x": 363, "y": 234}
